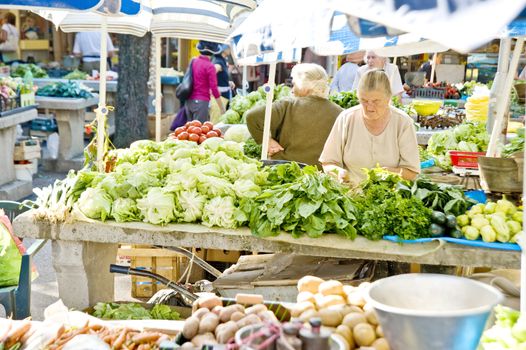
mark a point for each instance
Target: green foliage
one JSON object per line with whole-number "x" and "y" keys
{"x": 345, "y": 99}
{"x": 70, "y": 89}
{"x": 133, "y": 311}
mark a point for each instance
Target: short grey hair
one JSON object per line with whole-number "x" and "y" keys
{"x": 375, "y": 80}
{"x": 311, "y": 77}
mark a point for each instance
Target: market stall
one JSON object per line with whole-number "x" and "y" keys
{"x": 10, "y": 188}
{"x": 70, "y": 114}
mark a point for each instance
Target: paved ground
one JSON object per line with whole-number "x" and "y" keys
{"x": 44, "y": 288}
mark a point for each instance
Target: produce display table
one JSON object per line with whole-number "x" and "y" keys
{"x": 83, "y": 250}
{"x": 111, "y": 85}
{"x": 70, "y": 115}
{"x": 10, "y": 188}
{"x": 458, "y": 103}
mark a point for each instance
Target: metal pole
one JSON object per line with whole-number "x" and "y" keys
{"x": 244, "y": 83}
{"x": 501, "y": 116}
{"x": 158, "y": 93}
{"x": 102, "y": 111}
{"x": 268, "y": 110}
{"x": 433, "y": 68}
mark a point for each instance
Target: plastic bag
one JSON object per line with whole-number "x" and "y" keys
{"x": 10, "y": 258}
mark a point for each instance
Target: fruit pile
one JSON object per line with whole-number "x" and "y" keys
{"x": 195, "y": 131}
{"x": 500, "y": 221}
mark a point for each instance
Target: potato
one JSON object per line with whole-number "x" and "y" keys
{"x": 305, "y": 296}
{"x": 237, "y": 315}
{"x": 204, "y": 339}
{"x": 307, "y": 315}
{"x": 330, "y": 318}
{"x": 225, "y": 332}
{"x": 364, "y": 334}
{"x": 226, "y": 313}
{"x": 300, "y": 308}
{"x": 190, "y": 327}
{"x": 309, "y": 284}
{"x": 248, "y": 320}
{"x": 345, "y": 332}
{"x": 187, "y": 345}
{"x": 341, "y": 340}
{"x": 268, "y": 316}
{"x": 348, "y": 289}
{"x": 347, "y": 309}
{"x": 379, "y": 331}
{"x": 354, "y": 318}
{"x": 209, "y": 301}
{"x": 371, "y": 317}
{"x": 217, "y": 310}
{"x": 255, "y": 309}
{"x": 380, "y": 344}
{"x": 356, "y": 298}
{"x": 200, "y": 312}
{"x": 331, "y": 287}
{"x": 208, "y": 323}
{"x": 330, "y": 300}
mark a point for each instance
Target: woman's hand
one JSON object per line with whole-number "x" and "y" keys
{"x": 406, "y": 174}
{"x": 274, "y": 147}
{"x": 339, "y": 173}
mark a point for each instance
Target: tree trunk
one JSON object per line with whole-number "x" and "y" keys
{"x": 131, "y": 110}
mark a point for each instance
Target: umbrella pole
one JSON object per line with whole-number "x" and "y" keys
{"x": 501, "y": 117}
{"x": 158, "y": 95}
{"x": 498, "y": 82}
{"x": 433, "y": 67}
{"x": 244, "y": 83}
{"x": 269, "y": 89}
{"x": 102, "y": 110}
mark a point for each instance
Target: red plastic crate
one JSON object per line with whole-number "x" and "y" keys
{"x": 465, "y": 159}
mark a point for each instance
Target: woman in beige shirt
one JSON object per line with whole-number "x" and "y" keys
{"x": 370, "y": 134}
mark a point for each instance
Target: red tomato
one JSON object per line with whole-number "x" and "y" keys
{"x": 179, "y": 130}
{"x": 196, "y": 123}
{"x": 211, "y": 134}
{"x": 188, "y": 124}
{"x": 202, "y": 138}
{"x": 183, "y": 136}
{"x": 205, "y": 129}
{"x": 217, "y": 131}
{"x": 193, "y": 137}
{"x": 195, "y": 130}
{"x": 209, "y": 124}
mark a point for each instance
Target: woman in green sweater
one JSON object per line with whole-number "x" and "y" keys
{"x": 301, "y": 124}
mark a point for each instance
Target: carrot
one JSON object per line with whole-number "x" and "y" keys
{"x": 17, "y": 333}
{"x": 60, "y": 331}
{"x": 3, "y": 336}
{"x": 145, "y": 337}
{"x": 120, "y": 339}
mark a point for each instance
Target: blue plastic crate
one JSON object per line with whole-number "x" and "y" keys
{"x": 44, "y": 124}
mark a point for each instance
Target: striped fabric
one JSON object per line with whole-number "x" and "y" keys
{"x": 187, "y": 19}
{"x": 72, "y": 5}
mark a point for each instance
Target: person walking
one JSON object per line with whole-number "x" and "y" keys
{"x": 87, "y": 47}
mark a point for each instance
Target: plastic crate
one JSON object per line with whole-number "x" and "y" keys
{"x": 429, "y": 93}
{"x": 44, "y": 124}
{"x": 465, "y": 159}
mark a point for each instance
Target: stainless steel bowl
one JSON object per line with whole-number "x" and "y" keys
{"x": 431, "y": 311}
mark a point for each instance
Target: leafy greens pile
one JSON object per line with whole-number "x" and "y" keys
{"x": 384, "y": 210}
{"x": 509, "y": 331}
{"x": 241, "y": 104}
{"x": 516, "y": 144}
{"x": 71, "y": 89}
{"x": 21, "y": 70}
{"x": 133, "y": 311}
{"x": 467, "y": 137}
{"x": 214, "y": 183}
{"x": 345, "y": 99}
{"x": 76, "y": 75}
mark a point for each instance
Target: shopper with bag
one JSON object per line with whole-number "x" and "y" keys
{"x": 9, "y": 38}
{"x": 203, "y": 83}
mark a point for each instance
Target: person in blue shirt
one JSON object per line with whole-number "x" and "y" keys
{"x": 224, "y": 83}
{"x": 344, "y": 78}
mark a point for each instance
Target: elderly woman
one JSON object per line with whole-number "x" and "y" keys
{"x": 300, "y": 125}
{"x": 373, "y": 61}
{"x": 370, "y": 134}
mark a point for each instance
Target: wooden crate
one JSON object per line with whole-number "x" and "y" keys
{"x": 164, "y": 262}
{"x": 27, "y": 149}
{"x": 220, "y": 255}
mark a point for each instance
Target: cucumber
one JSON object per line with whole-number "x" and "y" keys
{"x": 456, "y": 232}
{"x": 436, "y": 230}
{"x": 438, "y": 217}
{"x": 451, "y": 221}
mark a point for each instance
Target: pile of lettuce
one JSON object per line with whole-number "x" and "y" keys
{"x": 134, "y": 311}
{"x": 467, "y": 137}
{"x": 214, "y": 183}
{"x": 509, "y": 331}
{"x": 239, "y": 105}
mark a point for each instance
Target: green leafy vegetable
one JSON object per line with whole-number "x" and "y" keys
{"x": 76, "y": 75}
{"x": 345, "y": 99}
{"x": 133, "y": 311}
{"x": 252, "y": 149}
{"x": 21, "y": 70}
{"x": 71, "y": 89}
{"x": 516, "y": 144}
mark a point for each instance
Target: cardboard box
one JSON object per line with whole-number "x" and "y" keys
{"x": 166, "y": 122}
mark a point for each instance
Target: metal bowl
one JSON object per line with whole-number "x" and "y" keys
{"x": 272, "y": 162}
{"x": 431, "y": 311}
